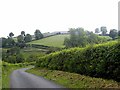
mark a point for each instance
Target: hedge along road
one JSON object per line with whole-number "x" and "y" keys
{"x": 21, "y": 79}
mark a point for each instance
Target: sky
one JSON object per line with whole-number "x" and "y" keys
{"x": 56, "y": 15}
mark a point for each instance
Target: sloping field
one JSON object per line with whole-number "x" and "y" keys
{"x": 54, "y": 41}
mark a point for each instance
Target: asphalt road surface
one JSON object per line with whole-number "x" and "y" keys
{"x": 21, "y": 79}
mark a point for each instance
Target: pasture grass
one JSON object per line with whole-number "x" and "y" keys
{"x": 54, "y": 41}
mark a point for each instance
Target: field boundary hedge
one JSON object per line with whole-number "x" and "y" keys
{"x": 101, "y": 60}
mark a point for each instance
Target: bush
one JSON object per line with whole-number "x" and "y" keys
{"x": 100, "y": 60}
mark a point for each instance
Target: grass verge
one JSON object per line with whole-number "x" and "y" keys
{"x": 73, "y": 80}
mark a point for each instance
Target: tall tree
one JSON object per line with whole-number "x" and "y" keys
{"x": 28, "y": 38}
{"x": 11, "y": 34}
{"x": 10, "y": 42}
{"x": 97, "y": 30}
{"x": 113, "y": 33}
{"x": 104, "y": 30}
{"x": 20, "y": 39}
{"x": 23, "y": 33}
{"x": 38, "y": 34}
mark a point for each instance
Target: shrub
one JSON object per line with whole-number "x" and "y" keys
{"x": 100, "y": 60}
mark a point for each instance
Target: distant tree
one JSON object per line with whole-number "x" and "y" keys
{"x": 11, "y": 34}
{"x": 104, "y": 30}
{"x": 92, "y": 38}
{"x": 113, "y": 33}
{"x": 23, "y": 33}
{"x": 67, "y": 42}
{"x": 38, "y": 34}
{"x": 28, "y": 38}
{"x": 97, "y": 30}
{"x": 20, "y": 39}
{"x": 20, "y": 58}
{"x": 77, "y": 38}
{"x": 10, "y": 42}
{"x": 119, "y": 36}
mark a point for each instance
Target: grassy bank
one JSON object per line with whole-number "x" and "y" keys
{"x": 73, "y": 80}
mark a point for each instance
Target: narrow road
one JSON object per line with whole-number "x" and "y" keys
{"x": 21, "y": 79}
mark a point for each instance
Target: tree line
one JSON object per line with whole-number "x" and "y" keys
{"x": 80, "y": 37}
{"x": 21, "y": 39}
{"x": 103, "y": 30}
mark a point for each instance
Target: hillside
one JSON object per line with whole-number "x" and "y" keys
{"x": 54, "y": 41}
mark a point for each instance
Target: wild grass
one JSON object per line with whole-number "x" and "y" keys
{"x": 73, "y": 80}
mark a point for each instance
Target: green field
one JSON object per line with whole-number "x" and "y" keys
{"x": 105, "y": 37}
{"x": 55, "y": 41}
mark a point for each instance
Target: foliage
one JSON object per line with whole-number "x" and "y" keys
{"x": 28, "y": 38}
{"x": 73, "y": 80}
{"x": 81, "y": 38}
{"x": 11, "y": 34}
{"x": 20, "y": 39}
{"x": 103, "y": 30}
{"x": 23, "y": 33}
{"x": 97, "y": 30}
{"x": 12, "y": 55}
{"x": 8, "y": 42}
{"x": 98, "y": 60}
{"x": 113, "y": 33}
{"x": 38, "y": 34}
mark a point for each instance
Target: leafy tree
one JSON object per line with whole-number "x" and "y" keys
{"x": 38, "y": 34}
{"x": 97, "y": 30}
{"x": 77, "y": 38}
{"x": 23, "y": 33}
{"x": 92, "y": 38}
{"x": 19, "y": 58}
{"x": 11, "y": 34}
{"x": 28, "y": 38}
{"x": 67, "y": 42}
{"x": 10, "y": 42}
{"x": 113, "y": 33}
{"x": 80, "y": 38}
{"x": 20, "y": 39}
{"x": 104, "y": 30}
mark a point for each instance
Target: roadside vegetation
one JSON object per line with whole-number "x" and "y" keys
{"x": 100, "y": 60}
{"x": 77, "y": 59}
{"x": 7, "y": 69}
{"x": 74, "y": 80}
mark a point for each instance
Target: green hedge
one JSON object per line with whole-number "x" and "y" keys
{"x": 101, "y": 60}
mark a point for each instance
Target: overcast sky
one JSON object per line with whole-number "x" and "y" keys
{"x": 56, "y": 15}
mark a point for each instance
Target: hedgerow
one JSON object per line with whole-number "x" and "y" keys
{"x": 101, "y": 60}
